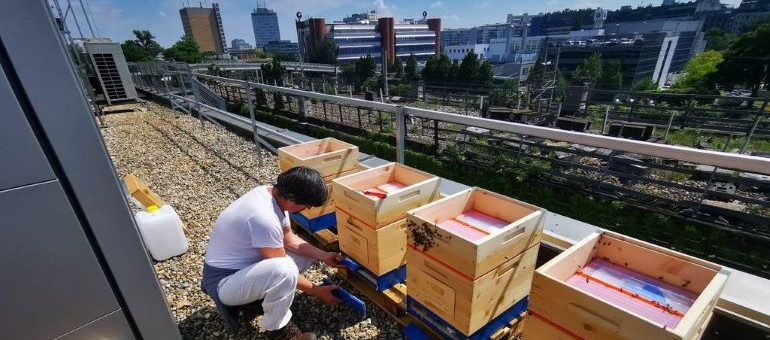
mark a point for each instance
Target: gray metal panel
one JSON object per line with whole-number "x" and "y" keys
{"x": 49, "y": 80}
{"x": 23, "y": 160}
{"x": 52, "y": 282}
{"x": 111, "y": 326}
{"x": 120, "y": 62}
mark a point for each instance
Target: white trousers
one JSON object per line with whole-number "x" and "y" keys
{"x": 272, "y": 280}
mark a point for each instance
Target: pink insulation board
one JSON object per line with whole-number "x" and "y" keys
{"x": 461, "y": 230}
{"x": 647, "y": 288}
{"x": 473, "y": 225}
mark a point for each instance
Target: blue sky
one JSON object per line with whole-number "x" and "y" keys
{"x": 116, "y": 19}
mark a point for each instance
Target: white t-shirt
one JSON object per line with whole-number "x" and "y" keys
{"x": 253, "y": 221}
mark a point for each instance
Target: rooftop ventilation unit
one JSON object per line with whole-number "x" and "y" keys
{"x": 112, "y": 71}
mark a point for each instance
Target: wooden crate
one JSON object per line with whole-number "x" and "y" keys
{"x": 329, "y": 156}
{"x": 595, "y": 317}
{"x": 328, "y": 207}
{"x": 379, "y": 250}
{"x": 465, "y": 304}
{"x": 536, "y": 328}
{"x": 520, "y": 226}
{"x": 418, "y": 188}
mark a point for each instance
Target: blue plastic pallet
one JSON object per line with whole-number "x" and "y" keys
{"x": 380, "y": 283}
{"x": 446, "y": 331}
{"x": 319, "y": 223}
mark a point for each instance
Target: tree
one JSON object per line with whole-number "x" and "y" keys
{"x": 485, "y": 73}
{"x": 698, "y": 73}
{"x": 365, "y": 67}
{"x": 746, "y": 61}
{"x": 273, "y": 72}
{"x": 397, "y": 67}
{"x": 718, "y": 39}
{"x": 645, "y": 85}
{"x": 578, "y": 21}
{"x": 469, "y": 67}
{"x": 260, "y": 53}
{"x": 536, "y": 73}
{"x": 325, "y": 53}
{"x": 285, "y": 56}
{"x": 143, "y": 48}
{"x": 612, "y": 76}
{"x": 454, "y": 70}
{"x": 437, "y": 68}
{"x": 185, "y": 50}
{"x": 411, "y": 67}
{"x": 590, "y": 70}
{"x": 349, "y": 73}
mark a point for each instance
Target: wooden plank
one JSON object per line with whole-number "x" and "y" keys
{"x": 474, "y": 258}
{"x": 323, "y": 239}
{"x": 139, "y": 190}
{"x": 468, "y": 305}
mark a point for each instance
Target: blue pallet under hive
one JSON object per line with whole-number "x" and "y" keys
{"x": 319, "y": 223}
{"x": 448, "y": 332}
{"x": 380, "y": 283}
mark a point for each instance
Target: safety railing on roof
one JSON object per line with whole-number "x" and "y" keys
{"x": 725, "y": 190}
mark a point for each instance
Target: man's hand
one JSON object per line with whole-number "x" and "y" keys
{"x": 325, "y": 294}
{"x": 332, "y": 259}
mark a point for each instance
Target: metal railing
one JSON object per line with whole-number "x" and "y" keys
{"x": 726, "y": 190}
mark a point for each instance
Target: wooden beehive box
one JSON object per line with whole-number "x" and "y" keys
{"x": 329, "y": 156}
{"x": 382, "y": 195}
{"x": 468, "y": 304}
{"x": 379, "y": 250}
{"x": 475, "y": 230}
{"x": 610, "y": 286}
{"x": 328, "y": 207}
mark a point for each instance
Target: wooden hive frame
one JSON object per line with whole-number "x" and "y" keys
{"x": 593, "y": 317}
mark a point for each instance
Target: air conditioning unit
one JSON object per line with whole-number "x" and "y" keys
{"x": 112, "y": 71}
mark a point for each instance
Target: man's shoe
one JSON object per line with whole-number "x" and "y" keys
{"x": 290, "y": 332}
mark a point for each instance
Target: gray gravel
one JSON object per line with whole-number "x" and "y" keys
{"x": 199, "y": 172}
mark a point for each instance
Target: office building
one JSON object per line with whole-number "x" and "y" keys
{"x": 204, "y": 25}
{"x": 282, "y": 46}
{"x": 240, "y": 45}
{"x": 748, "y": 12}
{"x": 265, "y": 24}
{"x": 356, "y": 40}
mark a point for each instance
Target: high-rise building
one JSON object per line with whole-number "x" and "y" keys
{"x": 204, "y": 25}
{"x": 265, "y": 24}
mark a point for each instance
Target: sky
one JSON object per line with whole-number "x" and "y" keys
{"x": 116, "y": 19}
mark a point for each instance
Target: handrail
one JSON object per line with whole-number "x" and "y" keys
{"x": 732, "y": 161}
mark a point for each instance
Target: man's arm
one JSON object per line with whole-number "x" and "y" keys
{"x": 296, "y": 244}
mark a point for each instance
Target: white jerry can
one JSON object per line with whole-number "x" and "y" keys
{"x": 161, "y": 230}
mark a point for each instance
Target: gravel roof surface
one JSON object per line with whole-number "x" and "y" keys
{"x": 199, "y": 171}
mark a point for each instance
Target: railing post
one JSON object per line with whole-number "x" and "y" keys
{"x": 606, "y": 117}
{"x": 668, "y": 128}
{"x": 254, "y": 130}
{"x": 196, "y": 93}
{"x": 754, "y": 127}
{"x": 400, "y": 134}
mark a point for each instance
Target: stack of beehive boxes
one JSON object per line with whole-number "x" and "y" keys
{"x": 371, "y": 214}
{"x": 610, "y": 286}
{"x": 332, "y": 158}
{"x": 471, "y": 257}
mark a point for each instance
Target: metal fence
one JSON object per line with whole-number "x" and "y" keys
{"x": 727, "y": 191}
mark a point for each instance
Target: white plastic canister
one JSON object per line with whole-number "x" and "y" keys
{"x": 161, "y": 230}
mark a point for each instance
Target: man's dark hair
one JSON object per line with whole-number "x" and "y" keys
{"x": 302, "y": 185}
